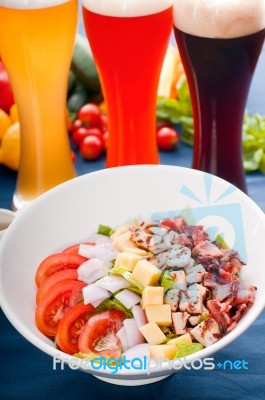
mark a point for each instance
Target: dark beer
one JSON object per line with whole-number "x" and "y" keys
{"x": 219, "y": 73}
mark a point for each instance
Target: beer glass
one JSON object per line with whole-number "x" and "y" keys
{"x": 36, "y": 44}
{"x": 128, "y": 39}
{"x": 219, "y": 43}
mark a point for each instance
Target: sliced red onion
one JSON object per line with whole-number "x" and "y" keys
{"x": 139, "y": 316}
{"x": 138, "y": 351}
{"x": 133, "y": 334}
{"x": 98, "y": 239}
{"x": 128, "y": 298}
{"x": 91, "y": 270}
{"x": 104, "y": 251}
{"x": 112, "y": 283}
{"x": 94, "y": 295}
{"x": 123, "y": 338}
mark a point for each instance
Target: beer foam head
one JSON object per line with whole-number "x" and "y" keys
{"x": 126, "y": 8}
{"x": 30, "y": 4}
{"x": 219, "y": 18}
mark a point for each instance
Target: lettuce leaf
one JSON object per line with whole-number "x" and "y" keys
{"x": 122, "y": 270}
{"x": 114, "y": 304}
{"x": 166, "y": 280}
{"x": 138, "y": 287}
{"x": 184, "y": 348}
{"x": 105, "y": 230}
{"x": 220, "y": 240}
{"x": 119, "y": 270}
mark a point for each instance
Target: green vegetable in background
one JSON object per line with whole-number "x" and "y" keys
{"x": 78, "y": 97}
{"x": 179, "y": 111}
{"x": 83, "y": 65}
{"x": 254, "y": 142}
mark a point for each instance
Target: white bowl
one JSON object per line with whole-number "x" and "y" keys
{"x": 73, "y": 210}
{"x": 6, "y": 218}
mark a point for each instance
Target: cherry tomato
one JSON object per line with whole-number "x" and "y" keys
{"x": 57, "y": 262}
{"x": 6, "y": 93}
{"x": 75, "y": 125}
{"x": 89, "y": 115}
{"x": 98, "y": 336}
{"x": 53, "y": 279}
{"x": 73, "y": 249}
{"x": 167, "y": 138}
{"x": 163, "y": 124}
{"x": 91, "y": 148}
{"x": 57, "y": 300}
{"x": 103, "y": 122}
{"x": 70, "y": 325}
{"x": 78, "y": 135}
{"x": 96, "y": 132}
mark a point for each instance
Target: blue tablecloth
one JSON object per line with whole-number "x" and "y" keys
{"x": 27, "y": 374}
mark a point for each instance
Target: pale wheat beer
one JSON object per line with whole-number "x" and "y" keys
{"x": 219, "y": 43}
{"x": 36, "y": 44}
{"x": 129, "y": 39}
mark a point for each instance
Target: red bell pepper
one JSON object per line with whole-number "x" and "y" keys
{"x": 6, "y": 94}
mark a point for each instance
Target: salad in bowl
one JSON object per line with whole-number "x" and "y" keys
{"x": 149, "y": 289}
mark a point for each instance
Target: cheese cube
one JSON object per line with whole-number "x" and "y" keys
{"x": 152, "y": 333}
{"x": 152, "y": 295}
{"x": 146, "y": 273}
{"x": 161, "y": 314}
{"x": 136, "y": 250}
{"x": 163, "y": 350}
{"x": 182, "y": 338}
{"x": 119, "y": 231}
{"x": 128, "y": 259}
{"x": 123, "y": 241}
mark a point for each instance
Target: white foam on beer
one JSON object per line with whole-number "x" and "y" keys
{"x": 219, "y": 18}
{"x": 127, "y": 8}
{"x": 30, "y": 4}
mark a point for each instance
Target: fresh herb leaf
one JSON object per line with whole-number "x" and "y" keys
{"x": 179, "y": 111}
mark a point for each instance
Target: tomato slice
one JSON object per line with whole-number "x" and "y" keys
{"x": 75, "y": 247}
{"x": 57, "y": 262}
{"x": 70, "y": 325}
{"x": 53, "y": 279}
{"x": 98, "y": 336}
{"x": 57, "y": 300}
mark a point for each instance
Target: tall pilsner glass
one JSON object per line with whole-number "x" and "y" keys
{"x": 129, "y": 39}
{"x": 219, "y": 43}
{"x": 36, "y": 44}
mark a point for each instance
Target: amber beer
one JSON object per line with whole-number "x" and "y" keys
{"x": 36, "y": 44}
{"x": 129, "y": 42}
{"x": 219, "y": 66}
